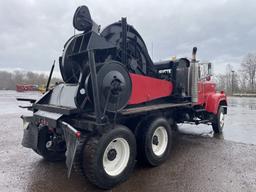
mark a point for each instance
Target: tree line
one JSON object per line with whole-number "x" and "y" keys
{"x": 8, "y": 80}
{"x": 239, "y": 81}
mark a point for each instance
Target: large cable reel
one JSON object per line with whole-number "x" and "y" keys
{"x": 139, "y": 61}
{"x": 114, "y": 86}
{"x": 69, "y": 68}
{"x": 112, "y": 70}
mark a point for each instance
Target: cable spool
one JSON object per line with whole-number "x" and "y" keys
{"x": 114, "y": 84}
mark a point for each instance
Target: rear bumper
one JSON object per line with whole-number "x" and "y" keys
{"x": 71, "y": 135}
{"x": 32, "y": 125}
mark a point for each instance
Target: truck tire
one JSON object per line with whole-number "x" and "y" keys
{"x": 44, "y": 136}
{"x": 154, "y": 141}
{"x": 218, "y": 121}
{"x": 109, "y": 160}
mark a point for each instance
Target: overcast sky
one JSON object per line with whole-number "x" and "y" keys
{"x": 33, "y": 32}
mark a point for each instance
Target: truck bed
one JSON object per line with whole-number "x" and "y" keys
{"x": 126, "y": 111}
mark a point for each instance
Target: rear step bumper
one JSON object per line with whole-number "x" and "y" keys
{"x": 72, "y": 138}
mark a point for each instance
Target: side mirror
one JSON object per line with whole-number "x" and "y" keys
{"x": 209, "y": 71}
{"x": 208, "y": 78}
{"x": 82, "y": 20}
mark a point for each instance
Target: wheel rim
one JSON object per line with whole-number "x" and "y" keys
{"x": 222, "y": 117}
{"x": 116, "y": 156}
{"x": 159, "y": 141}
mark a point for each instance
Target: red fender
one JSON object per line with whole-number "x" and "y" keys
{"x": 213, "y": 102}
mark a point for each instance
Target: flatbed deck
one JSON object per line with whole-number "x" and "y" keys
{"x": 127, "y": 111}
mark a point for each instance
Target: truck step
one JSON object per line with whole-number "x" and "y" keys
{"x": 206, "y": 121}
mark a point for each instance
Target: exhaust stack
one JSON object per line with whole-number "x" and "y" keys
{"x": 194, "y": 77}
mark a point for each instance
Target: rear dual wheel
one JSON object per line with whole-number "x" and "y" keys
{"x": 109, "y": 160}
{"x": 154, "y": 141}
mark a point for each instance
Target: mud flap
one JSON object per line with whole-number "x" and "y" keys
{"x": 72, "y": 141}
{"x": 30, "y": 134}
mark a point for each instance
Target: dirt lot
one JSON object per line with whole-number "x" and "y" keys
{"x": 199, "y": 161}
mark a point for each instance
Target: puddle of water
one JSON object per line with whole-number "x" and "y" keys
{"x": 9, "y": 104}
{"x": 245, "y": 102}
{"x": 240, "y": 122}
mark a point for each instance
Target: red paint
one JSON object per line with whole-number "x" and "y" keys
{"x": 25, "y": 87}
{"x": 207, "y": 96}
{"x": 213, "y": 102}
{"x": 78, "y": 134}
{"x": 146, "y": 89}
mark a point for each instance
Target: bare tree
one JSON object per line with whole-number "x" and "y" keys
{"x": 249, "y": 68}
{"x": 8, "y": 80}
{"x": 220, "y": 82}
{"x": 229, "y": 81}
{"x": 229, "y": 78}
{"x": 19, "y": 76}
{"x": 243, "y": 81}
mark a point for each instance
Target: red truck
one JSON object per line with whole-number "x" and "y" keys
{"x": 116, "y": 106}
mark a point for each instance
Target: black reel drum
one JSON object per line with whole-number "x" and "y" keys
{"x": 114, "y": 85}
